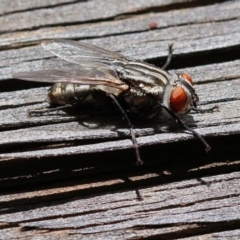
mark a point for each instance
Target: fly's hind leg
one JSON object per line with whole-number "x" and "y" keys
{"x": 41, "y": 111}
{"x": 134, "y": 140}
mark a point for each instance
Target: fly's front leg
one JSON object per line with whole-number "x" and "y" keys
{"x": 182, "y": 124}
{"x": 169, "y": 58}
{"x": 134, "y": 140}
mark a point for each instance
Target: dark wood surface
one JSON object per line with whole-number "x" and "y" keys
{"x": 72, "y": 174}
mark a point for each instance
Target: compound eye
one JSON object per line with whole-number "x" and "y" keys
{"x": 178, "y": 99}
{"x": 187, "y": 77}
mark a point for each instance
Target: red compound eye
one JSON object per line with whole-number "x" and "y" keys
{"x": 178, "y": 99}
{"x": 187, "y": 77}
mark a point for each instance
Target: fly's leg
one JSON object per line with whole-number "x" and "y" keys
{"x": 182, "y": 124}
{"x": 199, "y": 110}
{"x": 169, "y": 58}
{"x": 47, "y": 110}
{"x": 134, "y": 140}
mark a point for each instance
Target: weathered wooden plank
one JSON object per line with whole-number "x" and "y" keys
{"x": 82, "y": 11}
{"x": 210, "y": 202}
{"x": 118, "y": 145}
{"x": 13, "y": 232}
{"x": 234, "y": 234}
{"x": 7, "y": 7}
{"x": 132, "y": 234}
{"x": 226, "y": 11}
{"x": 216, "y": 36}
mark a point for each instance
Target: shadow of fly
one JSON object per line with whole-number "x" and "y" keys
{"x": 132, "y": 85}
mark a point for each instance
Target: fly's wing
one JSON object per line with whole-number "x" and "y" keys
{"x": 87, "y": 75}
{"x": 79, "y": 52}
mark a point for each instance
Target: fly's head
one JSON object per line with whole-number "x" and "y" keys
{"x": 181, "y": 95}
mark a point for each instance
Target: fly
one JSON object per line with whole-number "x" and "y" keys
{"x": 134, "y": 86}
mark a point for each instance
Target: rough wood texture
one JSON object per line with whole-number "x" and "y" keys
{"x": 72, "y": 174}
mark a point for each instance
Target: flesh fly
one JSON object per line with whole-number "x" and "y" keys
{"x": 133, "y": 86}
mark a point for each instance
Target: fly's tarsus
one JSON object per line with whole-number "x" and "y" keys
{"x": 207, "y": 110}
